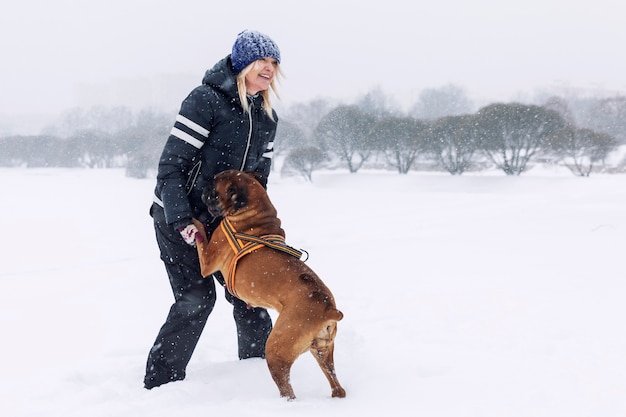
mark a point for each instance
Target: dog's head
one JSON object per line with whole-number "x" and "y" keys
{"x": 229, "y": 192}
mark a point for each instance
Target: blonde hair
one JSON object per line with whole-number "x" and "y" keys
{"x": 241, "y": 88}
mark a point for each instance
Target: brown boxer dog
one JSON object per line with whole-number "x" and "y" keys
{"x": 269, "y": 275}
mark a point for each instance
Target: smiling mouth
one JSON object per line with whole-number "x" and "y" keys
{"x": 265, "y": 76}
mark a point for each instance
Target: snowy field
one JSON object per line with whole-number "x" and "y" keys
{"x": 481, "y": 295}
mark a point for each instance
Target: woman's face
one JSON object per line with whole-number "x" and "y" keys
{"x": 261, "y": 75}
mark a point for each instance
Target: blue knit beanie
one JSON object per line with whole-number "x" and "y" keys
{"x": 251, "y": 45}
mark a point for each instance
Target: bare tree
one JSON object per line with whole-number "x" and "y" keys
{"x": 560, "y": 105}
{"x": 288, "y": 137}
{"x": 511, "y": 134}
{"x": 143, "y": 142}
{"x": 453, "y": 140}
{"x": 304, "y": 161}
{"x": 305, "y": 117}
{"x": 435, "y": 103}
{"x": 93, "y": 148}
{"x": 401, "y": 140}
{"x": 579, "y": 149}
{"x": 378, "y": 104}
{"x": 608, "y": 116}
{"x": 344, "y": 131}
{"x": 35, "y": 151}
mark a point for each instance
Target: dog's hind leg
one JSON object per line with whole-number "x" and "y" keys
{"x": 280, "y": 371}
{"x": 322, "y": 348}
{"x": 281, "y": 351}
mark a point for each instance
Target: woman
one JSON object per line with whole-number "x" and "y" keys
{"x": 226, "y": 123}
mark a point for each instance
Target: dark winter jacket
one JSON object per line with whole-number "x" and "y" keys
{"x": 211, "y": 134}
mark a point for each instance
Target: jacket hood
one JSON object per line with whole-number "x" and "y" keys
{"x": 222, "y": 77}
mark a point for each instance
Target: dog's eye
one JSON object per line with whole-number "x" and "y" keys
{"x": 231, "y": 191}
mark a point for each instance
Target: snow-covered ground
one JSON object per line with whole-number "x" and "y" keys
{"x": 481, "y": 295}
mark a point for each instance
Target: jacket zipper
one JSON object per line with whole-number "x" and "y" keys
{"x": 245, "y": 155}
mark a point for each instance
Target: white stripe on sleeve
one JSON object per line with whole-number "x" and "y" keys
{"x": 186, "y": 137}
{"x": 192, "y": 125}
{"x": 269, "y": 152}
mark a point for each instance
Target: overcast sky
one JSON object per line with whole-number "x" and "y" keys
{"x": 330, "y": 48}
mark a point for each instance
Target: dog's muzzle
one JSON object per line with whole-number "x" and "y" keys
{"x": 211, "y": 200}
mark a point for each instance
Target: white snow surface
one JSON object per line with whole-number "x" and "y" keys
{"x": 481, "y": 295}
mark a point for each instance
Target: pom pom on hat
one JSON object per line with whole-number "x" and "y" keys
{"x": 251, "y": 45}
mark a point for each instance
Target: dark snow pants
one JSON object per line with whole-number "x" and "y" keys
{"x": 194, "y": 300}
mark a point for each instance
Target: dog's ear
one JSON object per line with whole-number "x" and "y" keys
{"x": 257, "y": 176}
{"x": 237, "y": 195}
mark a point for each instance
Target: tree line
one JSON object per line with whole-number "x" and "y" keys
{"x": 96, "y": 138}
{"x": 441, "y": 131}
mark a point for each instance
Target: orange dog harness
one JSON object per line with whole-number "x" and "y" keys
{"x": 243, "y": 244}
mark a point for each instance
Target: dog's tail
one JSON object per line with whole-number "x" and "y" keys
{"x": 334, "y": 314}
{"x": 330, "y": 312}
